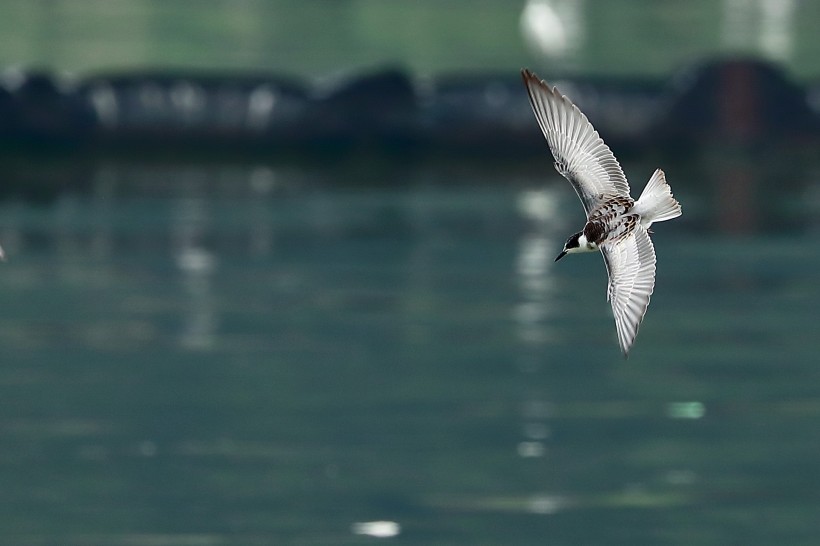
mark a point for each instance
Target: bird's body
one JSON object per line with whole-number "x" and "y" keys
{"x": 616, "y": 224}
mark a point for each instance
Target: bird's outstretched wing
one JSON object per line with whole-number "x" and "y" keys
{"x": 580, "y": 154}
{"x": 630, "y": 263}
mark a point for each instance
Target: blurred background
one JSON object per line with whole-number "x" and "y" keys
{"x": 281, "y": 272}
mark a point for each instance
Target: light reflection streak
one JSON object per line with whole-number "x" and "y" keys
{"x": 546, "y": 504}
{"x": 531, "y": 314}
{"x": 377, "y": 529}
{"x": 197, "y": 266}
{"x": 533, "y": 265}
{"x": 685, "y": 410}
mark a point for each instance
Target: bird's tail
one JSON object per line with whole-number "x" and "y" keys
{"x": 656, "y": 203}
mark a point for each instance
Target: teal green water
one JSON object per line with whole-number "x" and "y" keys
{"x": 270, "y": 354}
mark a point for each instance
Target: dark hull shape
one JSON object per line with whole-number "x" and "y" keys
{"x": 388, "y": 110}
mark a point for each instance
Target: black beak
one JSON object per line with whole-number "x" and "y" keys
{"x": 563, "y": 253}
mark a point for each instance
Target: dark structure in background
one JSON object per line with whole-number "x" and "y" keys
{"x": 388, "y": 110}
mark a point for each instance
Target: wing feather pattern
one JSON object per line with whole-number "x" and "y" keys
{"x": 630, "y": 263}
{"x": 581, "y": 156}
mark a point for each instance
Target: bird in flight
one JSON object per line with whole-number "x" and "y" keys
{"x": 617, "y": 225}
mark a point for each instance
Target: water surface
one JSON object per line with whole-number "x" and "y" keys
{"x": 266, "y": 354}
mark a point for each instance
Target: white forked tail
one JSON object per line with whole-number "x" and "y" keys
{"x": 656, "y": 203}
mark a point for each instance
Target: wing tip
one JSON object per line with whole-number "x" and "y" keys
{"x": 528, "y": 75}
{"x": 626, "y": 348}
{"x": 531, "y": 79}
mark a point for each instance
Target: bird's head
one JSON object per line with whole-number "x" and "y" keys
{"x": 572, "y": 245}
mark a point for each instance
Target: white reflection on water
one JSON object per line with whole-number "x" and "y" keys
{"x": 197, "y": 266}
{"x": 546, "y": 504}
{"x": 533, "y": 266}
{"x": 531, "y": 449}
{"x": 685, "y": 410}
{"x": 377, "y": 529}
{"x": 531, "y": 314}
